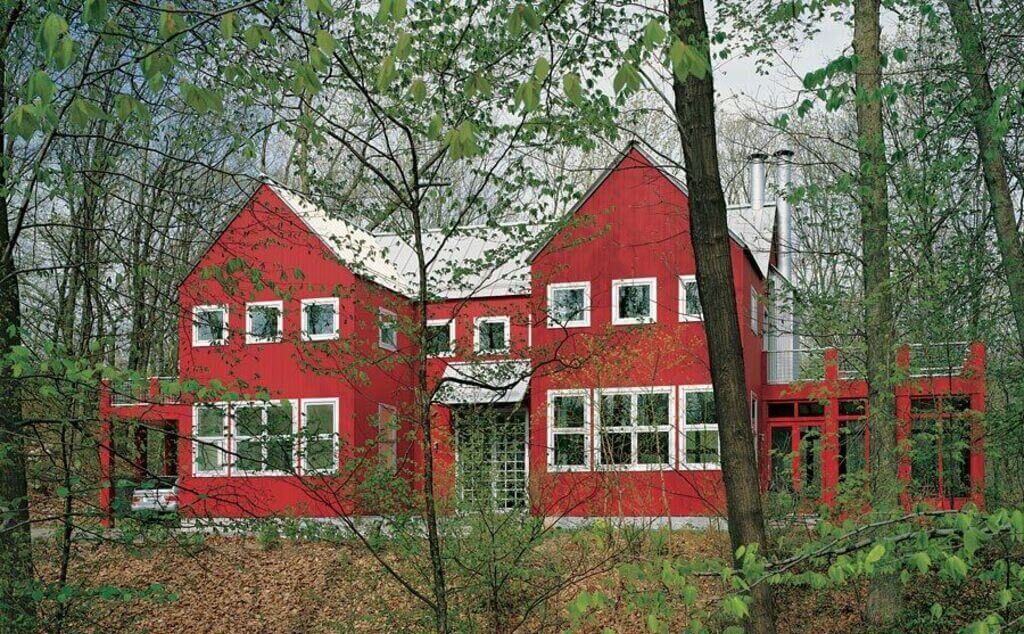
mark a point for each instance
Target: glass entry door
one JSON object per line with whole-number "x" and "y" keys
{"x": 491, "y": 457}
{"x": 796, "y": 459}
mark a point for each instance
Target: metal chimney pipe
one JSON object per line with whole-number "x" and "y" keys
{"x": 783, "y": 211}
{"x": 757, "y": 179}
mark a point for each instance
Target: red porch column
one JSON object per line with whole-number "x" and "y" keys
{"x": 830, "y": 429}
{"x": 976, "y": 371}
{"x": 106, "y": 460}
{"x": 903, "y": 426}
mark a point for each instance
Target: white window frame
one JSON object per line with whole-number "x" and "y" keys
{"x": 586, "y": 431}
{"x": 250, "y": 338}
{"x": 508, "y": 334}
{"x": 222, "y": 442}
{"x": 196, "y": 342}
{"x": 652, "y": 282}
{"x": 684, "y": 391}
{"x": 382, "y": 315}
{"x": 755, "y": 311}
{"x": 450, "y": 323}
{"x": 684, "y": 280}
{"x": 634, "y": 429}
{"x": 584, "y": 322}
{"x": 335, "y": 436}
{"x": 265, "y": 405}
{"x": 390, "y": 434}
{"x": 317, "y": 301}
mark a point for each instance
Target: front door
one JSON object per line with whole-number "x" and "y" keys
{"x": 491, "y": 457}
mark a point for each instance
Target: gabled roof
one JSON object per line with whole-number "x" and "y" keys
{"x": 751, "y": 228}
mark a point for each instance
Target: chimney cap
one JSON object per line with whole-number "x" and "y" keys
{"x": 757, "y": 156}
{"x": 786, "y": 154}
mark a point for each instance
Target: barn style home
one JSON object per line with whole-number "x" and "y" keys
{"x": 568, "y": 361}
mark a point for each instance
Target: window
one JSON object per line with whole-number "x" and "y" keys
{"x": 569, "y": 305}
{"x": 209, "y": 325}
{"x": 700, "y": 428}
{"x": 635, "y": 428}
{"x": 320, "y": 319}
{"x": 209, "y": 431}
{"x": 634, "y": 301}
{"x": 319, "y": 435}
{"x": 441, "y": 337}
{"x": 264, "y": 438}
{"x": 755, "y": 311}
{"x": 491, "y": 335}
{"x": 387, "y": 438}
{"x": 387, "y": 330}
{"x": 568, "y": 430}
{"x": 689, "y": 299}
{"x": 263, "y": 322}
{"x": 940, "y": 447}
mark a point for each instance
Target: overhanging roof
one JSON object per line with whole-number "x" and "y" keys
{"x": 486, "y": 382}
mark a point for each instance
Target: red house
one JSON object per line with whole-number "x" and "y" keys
{"x": 574, "y": 369}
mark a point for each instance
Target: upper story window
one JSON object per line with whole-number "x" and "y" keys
{"x": 569, "y": 305}
{"x": 491, "y": 335}
{"x": 441, "y": 337}
{"x": 264, "y": 322}
{"x": 700, "y": 428}
{"x": 320, "y": 319}
{"x": 755, "y": 311}
{"x": 387, "y": 330}
{"x": 635, "y": 427}
{"x": 264, "y": 438}
{"x": 689, "y": 299}
{"x": 568, "y": 430}
{"x": 209, "y": 325}
{"x": 319, "y": 435}
{"x": 634, "y": 301}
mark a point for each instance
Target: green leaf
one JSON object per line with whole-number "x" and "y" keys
{"x": 936, "y": 611}
{"x": 82, "y": 112}
{"x": 627, "y": 79}
{"x": 384, "y": 10}
{"x": 325, "y": 41}
{"x": 541, "y": 68}
{"x": 876, "y": 554}
{"x": 921, "y": 561}
{"x": 95, "y": 12}
{"x": 229, "y": 25}
{"x": 654, "y": 33}
{"x": 386, "y": 73}
{"x": 572, "y": 88}
{"x": 51, "y": 31}
{"x": 404, "y": 45}
{"x": 418, "y": 91}
{"x": 40, "y": 86}
{"x": 735, "y": 606}
{"x": 170, "y": 23}
{"x": 64, "y": 54}
{"x": 398, "y": 9}
{"x": 899, "y": 54}
{"x": 1004, "y": 597}
{"x": 527, "y": 95}
{"x": 434, "y": 128}
{"x": 956, "y": 567}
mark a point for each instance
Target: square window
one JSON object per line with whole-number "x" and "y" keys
{"x": 320, "y": 319}
{"x": 634, "y": 301}
{"x": 441, "y": 338}
{"x": 689, "y": 299}
{"x": 319, "y": 419}
{"x": 702, "y": 447}
{"x": 569, "y": 412}
{"x": 209, "y": 325}
{"x": 569, "y": 305}
{"x": 570, "y": 450}
{"x": 387, "y": 327}
{"x": 492, "y": 335}
{"x": 700, "y": 408}
{"x": 264, "y": 438}
{"x": 652, "y": 447}
{"x": 264, "y": 322}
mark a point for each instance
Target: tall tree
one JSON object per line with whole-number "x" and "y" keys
{"x": 985, "y": 116}
{"x": 709, "y": 235}
{"x": 873, "y": 194}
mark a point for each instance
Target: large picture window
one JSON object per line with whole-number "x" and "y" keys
{"x": 209, "y": 325}
{"x": 209, "y": 431}
{"x": 264, "y": 438}
{"x": 568, "y": 430}
{"x": 635, "y": 301}
{"x": 569, "y": 305}
{"x": 264, "y": 322}
{"x": 635, "y": 428}
{"x": 700, "y": 428}
{"x": 320, "y": 319}
{"x": 319, "y": 435}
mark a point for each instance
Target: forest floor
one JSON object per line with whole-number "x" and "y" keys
{"x": 228, "y": 585}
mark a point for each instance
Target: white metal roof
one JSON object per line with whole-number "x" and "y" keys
{"x": 753, "y": 228}
{"x": 499, "y": 382}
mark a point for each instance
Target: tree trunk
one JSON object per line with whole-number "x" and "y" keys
{"x": 709, "y": 234}
{"x": 993, "y": 161}
{"x": 885, "y": 592}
